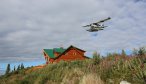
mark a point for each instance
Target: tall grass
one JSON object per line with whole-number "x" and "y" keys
{"x": 91, "y": 79}
{"x": 108, "y": 70}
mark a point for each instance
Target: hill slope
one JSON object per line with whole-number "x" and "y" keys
{"x": 109, "y": 70}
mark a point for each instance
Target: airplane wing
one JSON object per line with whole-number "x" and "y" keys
{"x": 97, "y": 22}
{"x": 103, "y": 20}
{"x": 87, "y": 26}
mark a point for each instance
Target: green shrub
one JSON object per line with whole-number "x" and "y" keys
{"x": 96, "y": 58}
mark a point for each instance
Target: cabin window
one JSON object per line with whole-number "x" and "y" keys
{"x": 74, "y": 53}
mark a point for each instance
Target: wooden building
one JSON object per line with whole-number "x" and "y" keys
{"x": 58, "y": 54}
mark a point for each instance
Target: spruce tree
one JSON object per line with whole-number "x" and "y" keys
{"x": 14, "y": 69}
{"x": 22, "y": 66}
{"x": 8, "y": 69}
{"x": 141, "y": 51}
{"x": 18, "y": 68}
{"x": 123, "y": 53}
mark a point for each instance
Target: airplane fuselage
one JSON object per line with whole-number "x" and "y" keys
{"x": 94, "y": 29}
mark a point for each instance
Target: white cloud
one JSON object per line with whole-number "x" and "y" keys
{"x": 28, "y": 26}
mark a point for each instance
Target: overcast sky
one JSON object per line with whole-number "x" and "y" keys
{"x": 28, "y": 26}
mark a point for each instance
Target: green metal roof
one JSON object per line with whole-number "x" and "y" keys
{"x": 50, "y": 52}
{"x": 60, "y": 50}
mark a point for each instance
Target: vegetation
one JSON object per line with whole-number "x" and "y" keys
{"x": 111, "y": 69}
{"x": 8, "y": 69}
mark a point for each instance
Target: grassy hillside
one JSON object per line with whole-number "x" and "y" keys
{"x": 106, "y": 70}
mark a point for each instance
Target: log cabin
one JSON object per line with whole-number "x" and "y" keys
{"x": 58, "y": 54}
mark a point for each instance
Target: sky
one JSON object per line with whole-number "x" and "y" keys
{"x": 28, "y": 26}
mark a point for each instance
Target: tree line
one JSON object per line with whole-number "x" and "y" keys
{"x": 8, "y": 69}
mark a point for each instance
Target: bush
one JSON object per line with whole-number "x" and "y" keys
{"x": 96, "y": 58}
